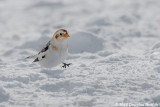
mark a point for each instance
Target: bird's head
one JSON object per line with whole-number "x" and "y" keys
{"x": 60, "y": 35}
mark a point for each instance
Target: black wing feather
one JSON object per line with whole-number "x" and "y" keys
{"x": 36, "y": 60}
{"x": 45, "y": 48}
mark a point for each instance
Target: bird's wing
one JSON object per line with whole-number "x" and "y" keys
{"x": 45, "y": 48}
{"x": 42, "y": 54}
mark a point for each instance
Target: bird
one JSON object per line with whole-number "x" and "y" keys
{"x": 54, "y": 52}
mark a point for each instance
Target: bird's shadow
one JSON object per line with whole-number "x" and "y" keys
{"x": 53, "y": 73}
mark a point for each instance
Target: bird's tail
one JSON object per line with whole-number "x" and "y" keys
{"x": 31, "y": 57}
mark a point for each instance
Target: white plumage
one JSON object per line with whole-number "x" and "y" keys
{"x": 55, "y": 51}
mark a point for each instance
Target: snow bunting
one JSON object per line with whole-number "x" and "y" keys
{"x": 54, "y": 52}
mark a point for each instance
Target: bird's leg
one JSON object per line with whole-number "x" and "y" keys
{"x": 65, "y": 65}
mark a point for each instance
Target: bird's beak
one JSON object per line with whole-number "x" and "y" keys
{"x": 67, "y": 35}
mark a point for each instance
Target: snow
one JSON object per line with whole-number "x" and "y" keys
{"x": 84, "y": 42}
{"x": 114, "y": 49}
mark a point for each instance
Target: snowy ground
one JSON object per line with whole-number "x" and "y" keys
{"x": 114, "y": 46}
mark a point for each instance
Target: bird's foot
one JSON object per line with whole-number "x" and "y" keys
{"x": 65, "y": 65}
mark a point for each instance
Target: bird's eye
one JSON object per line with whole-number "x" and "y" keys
{"x": 60, "y": 33}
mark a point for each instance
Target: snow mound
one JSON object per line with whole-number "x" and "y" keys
{"x": 156, "y": 46}
{"x": 155, "y": 53}
{"x": 84, "y": 42}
